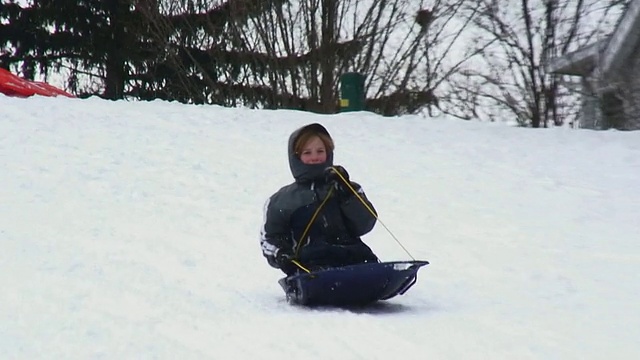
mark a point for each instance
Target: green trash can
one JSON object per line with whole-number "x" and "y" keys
{"x": 352, "y": 92}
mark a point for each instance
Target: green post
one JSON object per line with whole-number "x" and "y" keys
{"x": 351, "y": 92}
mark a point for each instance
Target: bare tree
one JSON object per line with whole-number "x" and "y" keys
{"x": 284, "y": 54}
{"x": 510, "y": 77}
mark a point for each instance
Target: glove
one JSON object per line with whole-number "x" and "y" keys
{"x": 283, "y": 258}
{"x": 332, "y": 176}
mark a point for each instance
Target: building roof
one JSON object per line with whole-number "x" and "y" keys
{"x": 579, "y": 62}
{"x": 609, "y": 54}
{"x": 624, "y": 38}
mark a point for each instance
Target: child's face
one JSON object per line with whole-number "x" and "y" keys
{"x": 313, "y": 152}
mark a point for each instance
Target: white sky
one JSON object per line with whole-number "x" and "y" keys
{"x": 129, "y": 230}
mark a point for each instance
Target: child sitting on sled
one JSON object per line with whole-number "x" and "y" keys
{"x": 316, "y": 222}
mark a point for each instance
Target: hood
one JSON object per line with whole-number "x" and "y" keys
{"x": 307, "y": 172}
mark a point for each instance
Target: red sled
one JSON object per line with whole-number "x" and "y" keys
{"x": 13, "y": 85}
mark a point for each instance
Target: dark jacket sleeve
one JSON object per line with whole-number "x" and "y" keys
{"x": 275, "y": 235}
{"x": 359, "y": 217}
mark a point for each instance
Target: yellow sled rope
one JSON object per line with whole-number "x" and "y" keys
{"x": 324, "y": 201}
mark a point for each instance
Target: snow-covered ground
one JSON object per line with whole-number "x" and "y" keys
{"x": 129, "y": 230}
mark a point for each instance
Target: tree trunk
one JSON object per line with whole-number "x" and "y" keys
{"x": 114, "y": 67}
{"x": 328, "y": 61}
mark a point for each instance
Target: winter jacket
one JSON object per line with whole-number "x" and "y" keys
{"x": 341, "y": 221}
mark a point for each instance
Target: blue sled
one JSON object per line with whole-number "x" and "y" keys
{"x": 353, "y": 285}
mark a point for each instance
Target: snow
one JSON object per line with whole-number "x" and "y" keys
{"x": 129, "y": 230}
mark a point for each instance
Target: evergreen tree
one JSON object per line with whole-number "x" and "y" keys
{"x": 93, "y": 39}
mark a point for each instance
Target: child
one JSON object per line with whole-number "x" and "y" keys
{"x": 317, "y": 220}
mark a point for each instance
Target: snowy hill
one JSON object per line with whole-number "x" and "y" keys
{"x": 130, "y": 231}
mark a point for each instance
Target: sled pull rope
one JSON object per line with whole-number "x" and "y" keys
{"x": 306, "y": 230}
{"x": 296, "y": 263}
{"x": 346, "y": 182}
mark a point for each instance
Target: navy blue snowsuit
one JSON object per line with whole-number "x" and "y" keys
{"x": 334, "y": 237}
